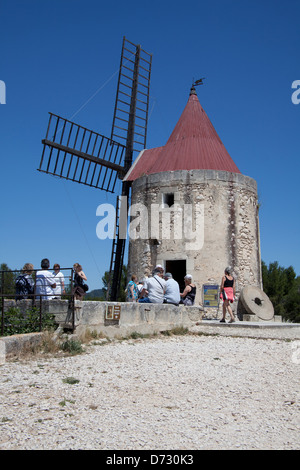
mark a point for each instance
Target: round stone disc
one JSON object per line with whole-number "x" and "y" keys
{"x": 256, "y": 302}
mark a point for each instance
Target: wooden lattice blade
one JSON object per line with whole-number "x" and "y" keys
{"x": 76, "y": 153}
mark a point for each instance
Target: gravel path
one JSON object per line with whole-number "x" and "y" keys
{"x": 179, "y": 392}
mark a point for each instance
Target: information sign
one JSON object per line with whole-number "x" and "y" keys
{"x": 113, "y": 312}
{"x": 210, "y": 295}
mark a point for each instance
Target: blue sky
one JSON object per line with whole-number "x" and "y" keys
{"x": 63, "y": 56}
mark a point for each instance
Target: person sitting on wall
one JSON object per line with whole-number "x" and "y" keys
{"x": 132, "y": 291}
{"x": 159, "y": 268}
{"x": 189, "y": 293}
{"x": 140, "y": 287}
{"x": 154, "y": 288}
{"x": 172, "y": 293}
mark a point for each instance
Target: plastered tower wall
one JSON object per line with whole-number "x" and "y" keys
{"x": 224, "y": 218}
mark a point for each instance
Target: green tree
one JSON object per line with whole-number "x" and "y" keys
{"x": 123, "y": 284}
{"x": 292, "y": 303}
{"x": 7, "y": 281}
{"x": 282, "y": 287}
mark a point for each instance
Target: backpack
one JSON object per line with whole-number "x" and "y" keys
{"x": 23, "y": 288}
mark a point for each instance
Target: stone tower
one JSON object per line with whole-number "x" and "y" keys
{"x": 192, "y": 210}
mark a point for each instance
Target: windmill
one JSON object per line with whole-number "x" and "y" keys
{"x": 76, "y": 153}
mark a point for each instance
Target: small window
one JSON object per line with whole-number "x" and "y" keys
{"x": 168, "y": 199}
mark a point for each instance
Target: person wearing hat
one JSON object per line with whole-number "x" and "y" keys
{"x": 189, "y": 293}
{"x": 159, "y": 268}
{"x": 154, "y": 288}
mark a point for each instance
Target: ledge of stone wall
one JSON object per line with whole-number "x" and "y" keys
{"x": 143, "y": 318}
{"x": 11, "y": 346}
{"x": 133, "y": 317}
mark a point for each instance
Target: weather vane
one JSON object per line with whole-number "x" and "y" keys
{"x": 198, "y": 82}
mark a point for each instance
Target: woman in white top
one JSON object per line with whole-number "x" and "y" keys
{"x": 59, "y": 281}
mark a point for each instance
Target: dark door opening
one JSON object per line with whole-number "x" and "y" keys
{"x": 178, "y": 270}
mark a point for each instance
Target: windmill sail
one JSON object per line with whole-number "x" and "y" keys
{"x": 130, "y": 126}
{"x": 130, "y": 118}
{"x": 73, "y": 152}
{"x": 81, "y": 155}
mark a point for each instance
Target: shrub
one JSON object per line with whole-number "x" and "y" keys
{"x": 17, "y": 322}
{"x": 72, "y": 346}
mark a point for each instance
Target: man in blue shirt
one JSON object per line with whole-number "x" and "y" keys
{"x": 172, "y": 293}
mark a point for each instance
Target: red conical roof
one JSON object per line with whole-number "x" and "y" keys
{"x": 193, "y": 145}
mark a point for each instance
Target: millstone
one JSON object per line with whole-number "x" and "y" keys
{"x": 256, "y": 302}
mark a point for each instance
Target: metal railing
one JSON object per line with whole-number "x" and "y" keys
{"x": 22, "y": 309}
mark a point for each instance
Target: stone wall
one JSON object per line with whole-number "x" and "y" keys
{"x": 100, "y": 317}
{"x": 133, "y": 317}
{"x": 117, "y": 318}
{"x": 225, "y": 219}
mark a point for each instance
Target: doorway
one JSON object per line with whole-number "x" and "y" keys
{"x": 178, "y": 270}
